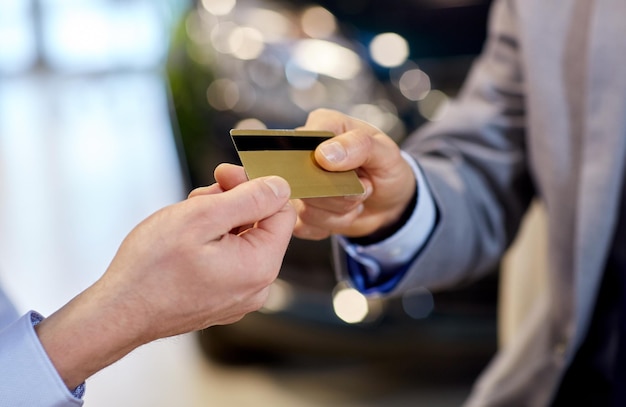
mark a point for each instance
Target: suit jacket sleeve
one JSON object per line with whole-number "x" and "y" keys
{"x": 474, "y": 161}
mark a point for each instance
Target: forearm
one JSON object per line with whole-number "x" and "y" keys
{"x": 89, "y": 333}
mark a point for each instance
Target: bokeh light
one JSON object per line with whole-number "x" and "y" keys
{"x": 298, "y": 76}
{"x": 376, "y": 115}
{"x": 414, "y": 84}
{"x": 220, "y": 37}
{"x": 266, "y": 71}
{"x": 219, "y": 7}
{"x": 250, "y": 123}
{"x": 246, "y": 42}
{"x": 327, "y": 58}
{"x": 310, "y": 98}
{"x": 279, "y": 298}
{"x": 274, "y": 26}
{"x": 350, "y": 305}
{"x": 317, "y": 22}
{"x": 389, "y": 50}
{"x": 434, "y": 105}
{"x": 418, "y": 303}
{"x": 223, "y": 94}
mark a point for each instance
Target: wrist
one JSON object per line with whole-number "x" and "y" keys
{"x": 390, "y": 229}
{"x": 86, "y": 335}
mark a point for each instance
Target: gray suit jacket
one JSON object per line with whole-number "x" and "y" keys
{"x": 542, "y": 114}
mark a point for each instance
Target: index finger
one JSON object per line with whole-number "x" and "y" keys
{"x": 332, "y": 120}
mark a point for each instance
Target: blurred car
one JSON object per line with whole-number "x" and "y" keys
{"x": 265, "y": 64}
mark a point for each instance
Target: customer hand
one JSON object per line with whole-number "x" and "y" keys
{"x": 204, "y": 261}
{"x": 388, "y": 180}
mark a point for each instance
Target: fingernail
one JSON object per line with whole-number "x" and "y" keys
{"x": 279, "y": 186}
{"x": 333, "y": 152}
{"x": 368, "y": 192}
{"x": 360, "y": 209}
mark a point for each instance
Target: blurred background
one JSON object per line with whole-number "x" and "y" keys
{"x": 111, "y": 109}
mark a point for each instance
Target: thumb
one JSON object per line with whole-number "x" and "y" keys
{"x": 365, "y": 148}
{"x": 344, "y": 152}
{"x": 252, "y": 201}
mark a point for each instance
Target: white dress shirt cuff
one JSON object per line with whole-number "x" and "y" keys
{"x": 402, "y": 246}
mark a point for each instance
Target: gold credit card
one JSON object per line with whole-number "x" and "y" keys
{"x": 289, "y": 154}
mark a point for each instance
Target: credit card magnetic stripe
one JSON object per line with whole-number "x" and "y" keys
{"x": 275, "y": 143}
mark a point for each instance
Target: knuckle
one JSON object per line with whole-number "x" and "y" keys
{"x": 306, "y": 216}
{"x": 321, "y": 111}
{"x": 256, "y": 302}
{"x": 268, "y": 276}
{"x": 363, "y": 140}
{"x": 311, "y": 233}
{"x": 349, "y": 204}
{"x": 305, "y": 212}
{"x": 257, "y": 199}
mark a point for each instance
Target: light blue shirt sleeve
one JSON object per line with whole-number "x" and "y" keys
{"x": 394, "y": 252}
{"x": 8, "y": 313}
{"x": 27, "y": 376}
